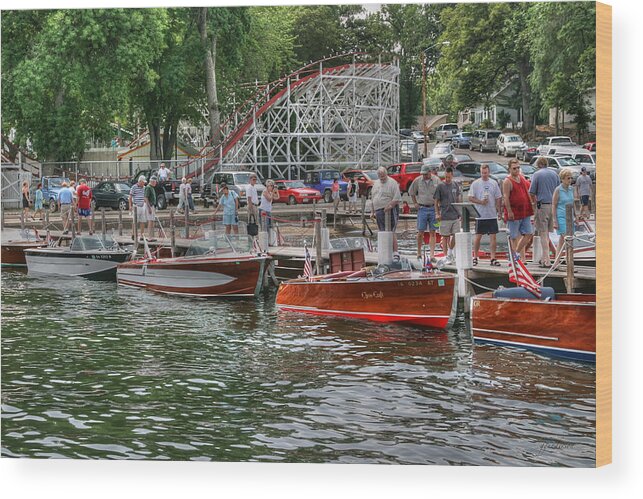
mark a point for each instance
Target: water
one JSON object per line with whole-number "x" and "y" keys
{"x": 93, "y": 370}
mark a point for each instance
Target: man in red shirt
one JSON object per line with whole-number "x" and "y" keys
{"x": 84, "y": 194}
{"x": 518, "y": 209}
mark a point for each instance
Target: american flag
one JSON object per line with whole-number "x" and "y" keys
{"x": 519, "y": 274}
{"x": 308, "y": 264}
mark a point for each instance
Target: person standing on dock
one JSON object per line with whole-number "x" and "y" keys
{"x": 447, "y": 193}
{"x": 386, "y": 198}
{"x": 352, "y": 195}
{"x": 65, "y": 201}
{"x": 230, "y": 202}
{"x": 518, "y": 209}
{"x": 584, "y": 192}
{"x": 149, "y": 199}
{"x": 252, "y": 198}
{"x": 543, "y": 185}
{"x": 85, "y": 206}
{"x": 422, "y": 193}
{"x": 188, "y": 195}
{"x": 182, "y": 195}
{"x": 563, "y": 195}
{"x": 137, "y": 202}
{"x": 38, "y": 202}
{"x": 486, "y": 194}
{"x": 269, "y": 195}
{"x": 25, "y": 200}
{"x": 334, "y": 191}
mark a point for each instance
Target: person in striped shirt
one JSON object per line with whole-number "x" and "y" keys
{"x": 137, "y": 202}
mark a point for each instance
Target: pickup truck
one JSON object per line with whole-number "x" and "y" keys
{"x": 404, "y": 174}
{"x": 51, "y": 187}
{"x": 556, "y": 145}
{"x": 237, "y": 181}
{"x": 167, "y": 191}
{"x": 322, "y": 180}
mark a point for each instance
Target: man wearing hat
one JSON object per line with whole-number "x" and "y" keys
{"x": 137, "y": 202}
{"x": 584, "y": 191}
{"x": 422, "y": 191}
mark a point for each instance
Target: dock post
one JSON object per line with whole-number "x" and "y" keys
{"x": 385, "y": 242}
{"x": 569, "y": 246}
{"x": 73, "y": 221}
{"x": 120, "y": 222}
{"x": 135, "y": 225}
{"x": 47, "y": 216}
{"x": 325, "y": 232}
{"x": 187, "y": 220}
{"x": 363, "y": 215}
{"x": 103, "y": 228}
{"x": 22, "y": 219}
{"x": 94, "y": 217}
{"x": 172, "y": 233}
{"x": 318, "y": 247}
{"x": 334, "y": 216}
{"x": 1, "y": 216}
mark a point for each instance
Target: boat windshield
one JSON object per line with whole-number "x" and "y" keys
{"x": 94, "y": 243}
{"x": 220, "y": 243}
{"x": 344, "y": 243}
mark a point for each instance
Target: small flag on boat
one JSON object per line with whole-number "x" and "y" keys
{"x": 308, "y": 264}
{"x": 519, "y": 274}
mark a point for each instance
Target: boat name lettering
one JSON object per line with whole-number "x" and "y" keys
{"x": 374, "y": 294}
{"x": 412, "y": 284}
{"x": 101, "y": 257}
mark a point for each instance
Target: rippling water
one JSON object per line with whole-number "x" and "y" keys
{"x": 92, "y": 370}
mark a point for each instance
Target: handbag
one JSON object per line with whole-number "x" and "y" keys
{"x": 252, "y": 228}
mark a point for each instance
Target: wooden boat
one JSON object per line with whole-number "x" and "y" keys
{"x": 14, "y": 244}
{"x": 214, "y": 266}
{"x": 398, "y": 296}
{"x": 560, "y": 325}
{"x": 93, "y": 257}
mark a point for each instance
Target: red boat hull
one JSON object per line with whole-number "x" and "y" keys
{"x": 13, "y": 252}
{"x": 564, "y": 327}
{"x": 412, "y": 298}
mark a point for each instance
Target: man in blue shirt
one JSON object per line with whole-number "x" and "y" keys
{"x": 543, "y": 185}
{"x": 65, "y": 201}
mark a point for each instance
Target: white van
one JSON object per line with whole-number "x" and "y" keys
{"x": 446, "y": 131}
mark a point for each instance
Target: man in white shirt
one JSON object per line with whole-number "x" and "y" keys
{"x": 386, "y": 199}
{"x": 485, "y": 194}
{"x": 252, "y": 197}
{"x": 164, "y": 173}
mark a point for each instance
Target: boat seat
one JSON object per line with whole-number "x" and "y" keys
{"x": 521, "y": 293}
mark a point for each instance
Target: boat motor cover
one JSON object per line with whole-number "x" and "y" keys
{"x": 522, "y": 293}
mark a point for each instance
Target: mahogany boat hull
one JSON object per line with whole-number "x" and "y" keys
{"x": 413, "y": 298}
{"x": 198, "y": 276}
{"x": 564, "y": 327}
{"x": 13, "y": 252}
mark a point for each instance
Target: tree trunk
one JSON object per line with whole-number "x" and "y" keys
{"x": 210, "y": 57}
{"x": 525, "y": 91}
{"x": 156, "y": 151}
{"x": 557, "y": 120}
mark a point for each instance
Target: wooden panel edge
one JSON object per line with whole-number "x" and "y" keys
{"x": 604, "y": 234}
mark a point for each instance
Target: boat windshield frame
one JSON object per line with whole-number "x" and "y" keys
{"x": 220, "y": 243}
{"x": 95, "y": 242}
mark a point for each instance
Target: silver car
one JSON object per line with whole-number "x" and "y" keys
{"x": 508, "y": 144}
{"x": 484, "y": 140}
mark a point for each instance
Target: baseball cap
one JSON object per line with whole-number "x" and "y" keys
{"x": 583, "y": 169}
{"x": 425, "y": 169}
{"x": 153, "y": 178}
{"x": 142, "y": 177}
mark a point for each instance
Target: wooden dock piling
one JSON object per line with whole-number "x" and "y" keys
{"x": 103, "y": 228}
{"x": 569, "y": 247}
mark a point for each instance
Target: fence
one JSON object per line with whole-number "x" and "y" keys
{"x": 12, "y": 178}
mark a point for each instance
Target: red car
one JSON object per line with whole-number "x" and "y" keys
{"x": 590, "y": 146}
{"x": 364, "y": 178}
{"x": 404, "y": 174}
{"x": 295, "y": 192}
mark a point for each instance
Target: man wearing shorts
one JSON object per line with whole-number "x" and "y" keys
{"x": 543, "y": 185}
{"x": 385, "y": 201}
{"x": 229, "y": 200}
{"x": 137, "y": 202}
{"x": 447, "y": 193}
{"x": 518, "y": 209}
{"x": 65, "y": 202}
{"x": 584, "y": 191}
{"x": 422, "y": 191}
{"x": 84, "y": 194}
{"x": 485, "y": 193}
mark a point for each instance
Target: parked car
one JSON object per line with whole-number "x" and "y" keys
{"x": 295, "y": 192}
{"x": 409, "y": 151}
{"x": 453, "y": 159}
{"x": 527, "y": 171}
{"x": 558, "y": 162}
{"x": 322, "y": 180}
{"x": 470, "y": 170}
{"x": 552, "y": 145}
{"x": 111, "y": 194}
{"x": 585, "y": 158}
{"x": 446, "y": 131}
{"x": 437, "y": 162}
{"x": 51, "y": 187}
{"x": 441, "y": 151}
{"x": 406, "y": 133}
{"x": 364, "y": 178}
{"x": 590, "y": 146}
{"x": 238, "y": 182}
{"x": 528, "y": 150}
{"x": 404, "y": 174}
{"x": 462, "y": 140}
{"x": 508, "y": 144}
{"x": 485, "y": 140}
{"x": 418, "y": 136}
